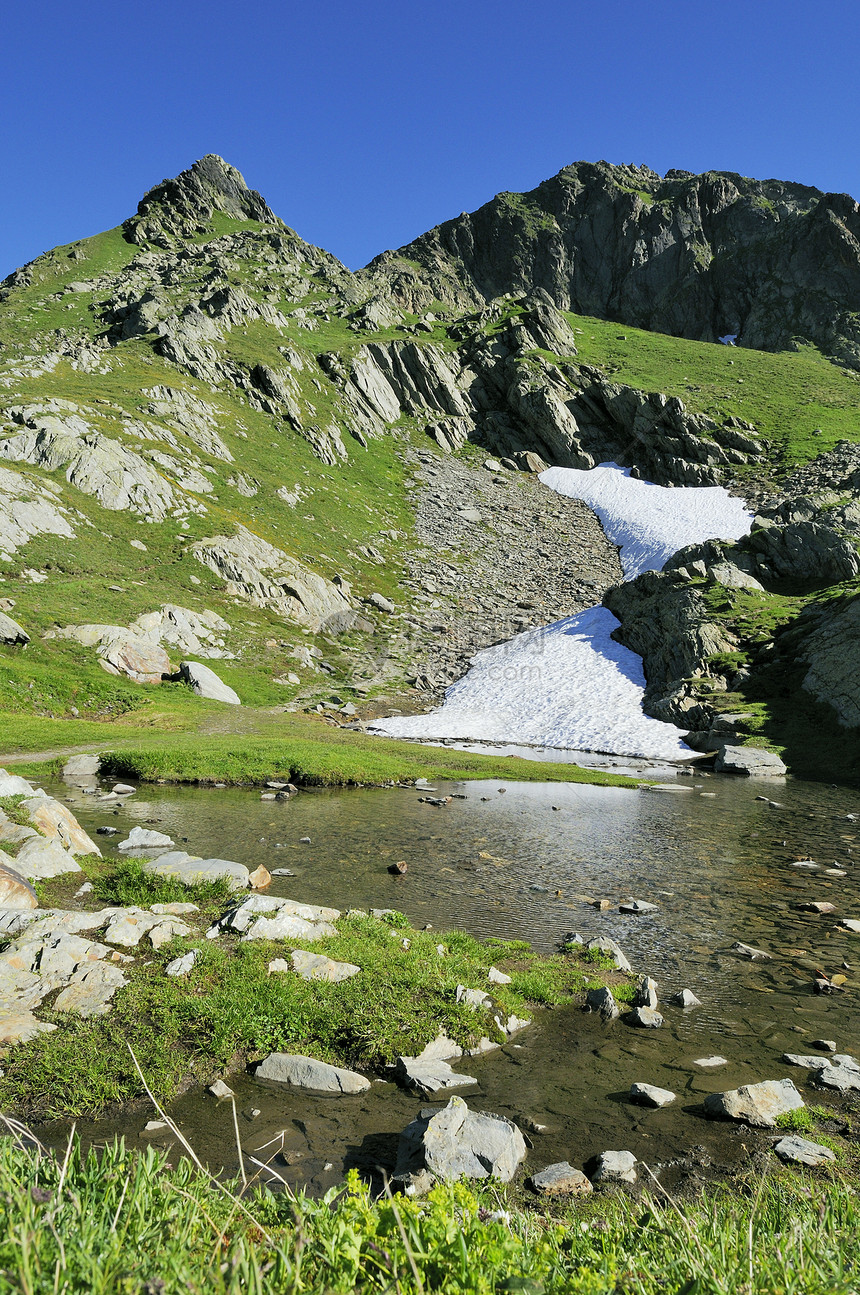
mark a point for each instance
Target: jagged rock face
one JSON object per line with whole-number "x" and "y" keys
{"x": 832, "y": 652}
{"x": 178, "y": 208}
{"x": 27, "y": 509}
{"x": 697, "y": 256}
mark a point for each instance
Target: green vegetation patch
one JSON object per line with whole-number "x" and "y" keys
{"x": 230, "y": 1011}
{"x": 113, "y": 1220}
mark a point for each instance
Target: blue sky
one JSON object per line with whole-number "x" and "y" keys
{"x": 365, "y": 124}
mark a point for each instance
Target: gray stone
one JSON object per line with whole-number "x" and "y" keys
{"x": 205, "y": 683}
{"x": 807, "y": 1062}
{"x": 182, "y": 965}
{"x": 560, "y": 1180}
{"x": 11, "y": 631}
{"x": 615, "y": 1167}
{"x": 710, "y": 1063}
{"x": 646, "y": 992}
{"x": 143, "y": 838}
{"x": 747, "y": 951}
{"x": 456, "y": 1142}
{"x": 380, "y": 602}
{"x": 839, "y": 1078}
{"x": 81, "y": 766}
{"x": 646, "y": 1018}
{"x": 39, "y": 859}
{"x": 430, "y": 1076}
{"x": 220, "y": 1090}
{"x": 757, "y": 1104}
{"x": 57, "y": 823}
{"x": 801, "y": 1152}
{"x": 306, "y": 1072}
{"x": 497, "y": 977}
{"x": 750, "y": 761}
{"x": 21, "y": 1027}
{"x": 648, "y": 1095}
{"x": 193, "y": 872}
{"x": 90, "y": 989}
{"x": 315, "y": 966}
{"x": 474, "y": 998}
{"x": 684, "y": 998}
{"x": 637, "y": 906}
{"x": 602, "y": 1001}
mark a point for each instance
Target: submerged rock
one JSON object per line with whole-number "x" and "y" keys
{"x": 430, "y": 1076}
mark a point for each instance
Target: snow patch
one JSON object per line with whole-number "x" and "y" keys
{"x": 649, "y": 523}
{"x": 569, "y": 684}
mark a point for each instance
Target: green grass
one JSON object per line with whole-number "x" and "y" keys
{"x": 786, "y": 396}
{"x": 230, "y": 1011}
{"x": 99, "y": 1223}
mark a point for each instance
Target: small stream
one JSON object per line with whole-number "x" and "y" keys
{"x": 525, "y": 861}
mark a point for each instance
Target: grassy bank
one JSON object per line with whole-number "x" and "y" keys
{"x": 293, "y": 747}
{"x": 230, "y": 1011}
{"x": 128, "y": 1222}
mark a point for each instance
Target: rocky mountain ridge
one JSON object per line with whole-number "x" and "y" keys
{"x": 334, "y": 465}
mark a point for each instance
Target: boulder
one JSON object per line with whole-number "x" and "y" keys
{"x": 205, "y": 683}
{"x": 81, "y": 766}
{"x": 15, "y": 891}
{"x": 756, "y": 1104}
{"x": 560, "y": 1180}
{"x": 646, "y": 992}
{"x": 59, "y": 824}
{"x": 602, "y": 1001}
{"x": 430, "y": 1076}
{"x": 799, "y": 1151}
{"x": 750, "y": 761}
{"x": 21, "y": 1027}
{"x": 456, "y": 1142}
{"x": 648, "y": 1095}
{"x": 840, "y": 1078}
{"x": 11, "y": 631}
{"x": 615, "y": 1167}
{"x": 306, "y": 1072}
{"x": 646, "y": 1018}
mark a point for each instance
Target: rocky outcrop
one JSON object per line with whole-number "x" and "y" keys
{"x": 697, "y": 256}
{"x": 97, "y": 465}
{"x": 177, "y": 209}
{"x": 28, "y": 509}
{"x": 263, "y": 575}
{"x": 137, "y": 651}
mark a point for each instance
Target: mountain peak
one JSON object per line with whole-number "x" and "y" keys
{"x": 178, "y": 208}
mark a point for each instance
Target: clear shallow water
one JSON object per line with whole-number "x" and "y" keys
{"x": 502, "y": 861}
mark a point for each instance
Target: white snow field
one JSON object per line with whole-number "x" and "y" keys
{"x": 568, "y": 684}
{"x": 649, "y": 523}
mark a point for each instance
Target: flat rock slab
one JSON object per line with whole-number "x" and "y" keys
{"x": 182, "y": 965}
{"x": 750, "y": 761}
{"x": 21, "y": 1027}
{"x": 637, "y": 906}
{"x": 615, "y": 1167}
{"x": 757, "y": 1104}
{"x": 807, "y": 1062}
{"x": 90, "y": 990}
{"x": 81, "y": 766}
{"x": 39, "y": 859}
{"x": 799, "y": 1151}
{"x": 143, "y": 838}
{"x": 430, "y": 1076}
{"x": 747, "y": 951}
{"x": 456, "y": 1142}
{"x": 560, "y": 1180}
{"x": 315, "y": 966}
{"x": 306, "y": 1072}
{"x": 839, "y": 1078}
{"x": 648, "y": 1095}
{"x": 15, "y": 890}
{"x": 195, "y": 872}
